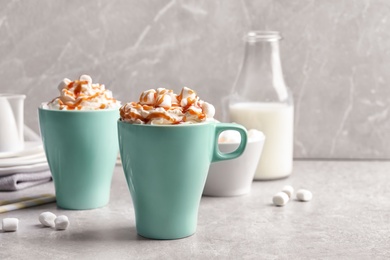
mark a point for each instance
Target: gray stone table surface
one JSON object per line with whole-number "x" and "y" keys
{"x": 348, "y": 218}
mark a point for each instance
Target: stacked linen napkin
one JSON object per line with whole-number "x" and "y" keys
{"x": 19, "y": 181}
{"x": 19, "y": 170}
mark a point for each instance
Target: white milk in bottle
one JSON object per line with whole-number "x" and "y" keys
{"x": 275, "y": 120}
{"x": 261, "y": 100}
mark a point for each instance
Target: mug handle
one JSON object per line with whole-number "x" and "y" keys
{"x": 219, "y": 128}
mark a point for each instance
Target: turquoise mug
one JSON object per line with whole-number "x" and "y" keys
{"x": 81, "y": 148}
{"x": 166, "y": 168}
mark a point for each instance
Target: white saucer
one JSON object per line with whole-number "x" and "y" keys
{"x": 23, "y": 168}
{"x": 30, "y": 147}
{"x": 23, "y": 160}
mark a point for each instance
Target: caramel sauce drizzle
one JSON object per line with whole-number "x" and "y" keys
{"x": 159, "y": 115}
{"x": 79, "y": 96}
{"x": 125, "y": 110}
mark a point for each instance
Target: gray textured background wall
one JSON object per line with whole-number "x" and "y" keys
{"x": 335, "y": 56}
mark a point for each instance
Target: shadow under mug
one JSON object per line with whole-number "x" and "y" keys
{"x": 81, "y": 148}
{"x": 166, "y": 168}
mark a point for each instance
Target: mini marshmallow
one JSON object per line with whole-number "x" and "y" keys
{"x": 148, "y": 97}
{"x": 208, "y": 109}
{"x": 188, "y": 97}
{"x": 61, "y": 222}
{"x": 47, "y": 219}
{"x": 304, "y": 195}
{"x": 280, "y": 199}
{"x": 86, "y": 78}
{"x": 10, "y": 224}
{"x": 63, "y": 84}
{"x": 254, "y": 134}
{"x": 164, "y": 100}
{"x": 289, "y": 190}
{"x": 68, "y": 99}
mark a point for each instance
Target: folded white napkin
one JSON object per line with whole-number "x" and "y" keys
{"x": 24, "y": 180}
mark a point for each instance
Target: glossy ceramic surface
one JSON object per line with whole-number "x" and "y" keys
{"x": 81, "y": 149}
{"x": 166, "y": 169}
{"x": 234, "y": 177}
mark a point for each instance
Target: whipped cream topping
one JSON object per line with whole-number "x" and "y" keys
{"x": 163, "y": 107}
{"x": 82, "y": 94}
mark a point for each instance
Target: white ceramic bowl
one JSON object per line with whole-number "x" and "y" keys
{"x": 235, "y": 177}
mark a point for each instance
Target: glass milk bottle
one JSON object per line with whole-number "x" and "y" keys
{"x": 261, "y": 100}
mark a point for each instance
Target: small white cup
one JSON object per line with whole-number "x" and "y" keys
{"x": 234, "y": 177}
{"x": 12, "y": 122}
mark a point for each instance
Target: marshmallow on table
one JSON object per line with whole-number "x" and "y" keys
{"x": 304, "y": 195}
{"x": 47, "y": 219}
{"x": 280, "y": 199}
{"x": 10, "y": 224}
{"x": 61, "y": 222}
{"x": 289, "y": 190}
